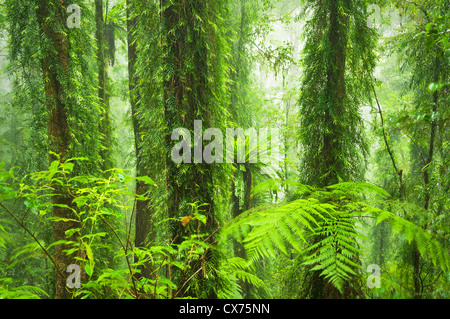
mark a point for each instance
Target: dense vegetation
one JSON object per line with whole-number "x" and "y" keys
{"x": 225, "y": 149}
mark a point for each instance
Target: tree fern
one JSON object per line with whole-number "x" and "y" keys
{"x": 236, "y": 269}
{"x": 337, "y": 254}
{"x": 273, "y": 228}
{"x": 428, "y": 246}
{"x": 333, "y": 214}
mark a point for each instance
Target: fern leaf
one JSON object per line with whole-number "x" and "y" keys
{"x": 428, "y": 246}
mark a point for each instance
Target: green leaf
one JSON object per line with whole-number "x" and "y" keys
{"x": 53, "y": 166}
{"x": 88, "y": 270}
{"x": 147, "y": 180}
{"x": 89, "y": 254}
{"x": 201, "y": 218}
{"x": 429, "y": 26}
{"x": 433, "y": 87}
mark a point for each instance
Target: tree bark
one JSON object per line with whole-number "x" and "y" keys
{"x": 55, "y": 64}
{"x": 337, "y": 99}
{"x": 103, "y": 83}
{"x": 426, "y": 180}
{"x": 142, "y": 210}
{"x": 186, "y": 97}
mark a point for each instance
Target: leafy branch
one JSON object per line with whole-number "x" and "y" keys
{"x": 21, "y": 224}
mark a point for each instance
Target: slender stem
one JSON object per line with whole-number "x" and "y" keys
{"x": 218, "y": 227}
{"x": 184, "y": 284}
{"x": 130, "y": 224}
{"x": 189, "y": 261}
{"x": 34, "y": 238}
{"x": 126, "y": 252}
{"x": 388, "y": 147}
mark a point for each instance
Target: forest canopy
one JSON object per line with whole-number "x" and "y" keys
{"x": 225, "y": 149}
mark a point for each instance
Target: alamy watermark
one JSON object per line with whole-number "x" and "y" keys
{"x": 74, "y": 20}
{"x": 374, "y": 280}
{"x": 74, "y": 280}
{"x": 251, "y": 146}
{"x": 374, "y": 20}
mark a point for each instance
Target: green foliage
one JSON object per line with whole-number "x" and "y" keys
{"x": 339, "y": 61}
{"x": 429, "y": 247}
{"x": 22, "y": 292}
{"x": 335, "y": 215}
{"x": 107, "y": 201}
{"x": 234, "y": 270}
{"x": 301, "y": 224}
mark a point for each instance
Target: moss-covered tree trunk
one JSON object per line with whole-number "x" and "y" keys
{"x": 188, "y": 41}
{"x": 336, "y": 94}
{"x": 142, "y": 209}
{"x": 103, "y": 86}
{"x": 55, "y": 65}
{"x": 339, "y": 49}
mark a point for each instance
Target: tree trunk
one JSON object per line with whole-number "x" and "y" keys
{"x": 55, "y": 66}
{"x": 142, "y": 209}
{"x": 336, "y": 95}
{"x": 186, "y": 97}
{"x": 103, "y": 83}
{"x": 426, "y": 180}
{"x": 336, "y": 91}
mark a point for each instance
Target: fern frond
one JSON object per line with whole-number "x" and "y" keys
{"x": 328, "y": 214}
{"x": 428, "y": 246}
{"x": 234, "y": 270}
{"x": 336, "y": 255}
{"x": 273, "y": 229}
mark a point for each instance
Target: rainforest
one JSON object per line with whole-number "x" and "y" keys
{"x": 224, "y": 149}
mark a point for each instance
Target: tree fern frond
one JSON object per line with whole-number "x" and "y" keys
{"x": 332, "y": 217}
{"x": 427, "y": 245}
